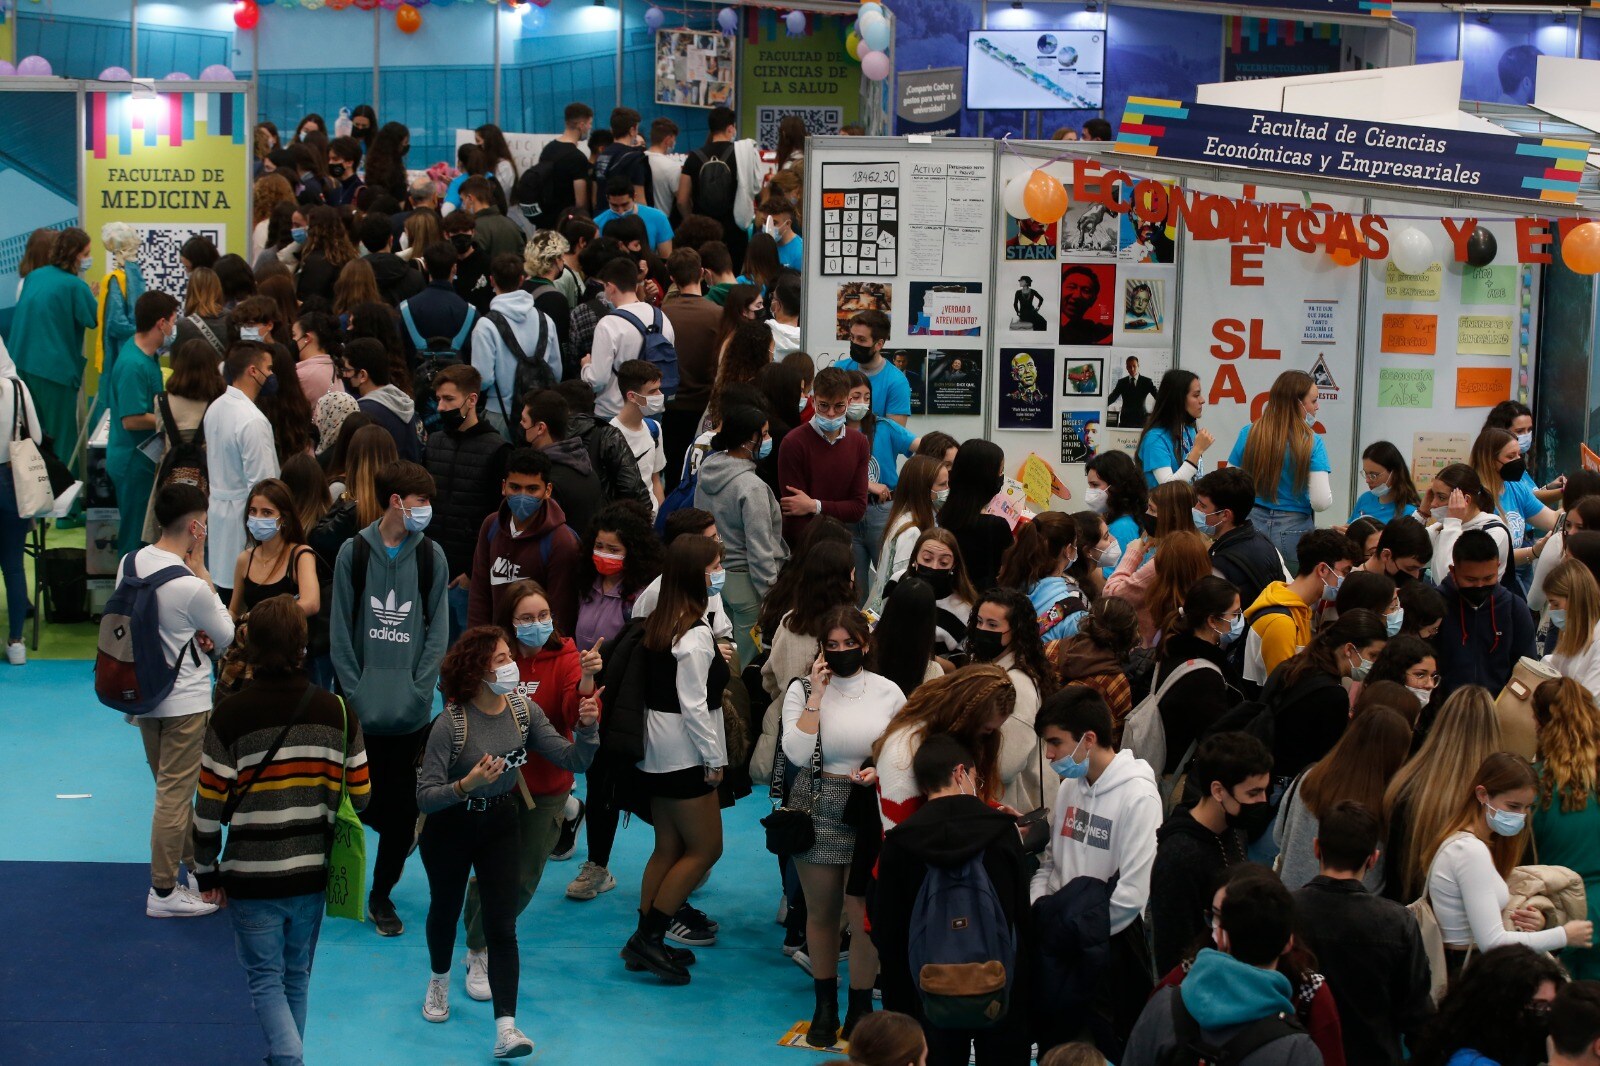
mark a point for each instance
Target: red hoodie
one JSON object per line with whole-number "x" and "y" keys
{"x": 550, "y": 678}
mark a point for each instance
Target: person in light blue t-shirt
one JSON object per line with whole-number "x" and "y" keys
{"x": 1497, "y": 459}
{"x": 1390, "y": 491}
{"x": 1288, "y": 461}
{"x": 1116, "y": 492}
{"x": 891, "y": 391}
{"x": 1172, "y": 445}
{"x": 890, "y": 442}
{"x": 619, "y": 194}
{"x": 780, "y": 223}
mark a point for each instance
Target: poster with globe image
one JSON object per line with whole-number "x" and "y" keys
{"x": 1033, "y": 70}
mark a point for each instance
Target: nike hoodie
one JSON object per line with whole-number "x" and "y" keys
{"x": 1102, "y": 828}
{"x": 1222, "y": 995}
{"x": 545, "y": 550}
{"x": 388, "y": 648}
{"x": 396, "y": 412}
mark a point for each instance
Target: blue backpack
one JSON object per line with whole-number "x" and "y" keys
{"x": 962, "y": 950}
{"x": 656, "y": 348}
{"x": 131, "y": 674}
{"x": 682, "y": 494}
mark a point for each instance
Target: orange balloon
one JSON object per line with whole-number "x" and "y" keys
{"x": 407, "y": 19}
{"x": 1344, "y": 257}
{"x": 1581, "y": 249}
{"x": 1044, "y": 197}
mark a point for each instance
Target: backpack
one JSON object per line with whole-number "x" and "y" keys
{"x": 1143, "y": 731}
{"x": 682, "y": 494}
{"x": 625, "y": 679}
{"x": 545, "y": 545}
{"x": 532, "y": 374}
{"x": 131, "y": 673}
{"x": 1191, "y": 1048}
{"x": 716, "y": 186}
{"x": 962, "y": 950}
{"x": 185, "y": 461}
{"x": 361, "y": 555}
{"x": 611, "y": 163}
{"x": 1259, "y": 717}
{"x": 534, "y": 191}
{"x": 433, "y": 355}
{"x": 1508, "y": 576}
{"x": 655, "y": 348}
{"x": 1235, "y": 654}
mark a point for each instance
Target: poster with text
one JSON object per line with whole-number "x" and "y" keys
{"x": 1080, "y": 436}
{"x": 945, "y": 309}
{"x": 694, "y": 68}
{"x": 954, "y": 381}
{"x": 1278, "y": 48}
{"x": 1027, "y": 239}
{"x": 1089, "y": 303}
{"x": 1025, "y": 382}
{"x": 808, "y": 77}
{"x": 853, "y": 297}
{"x": 911, "y": 362}
{"x": 860, "y": 219}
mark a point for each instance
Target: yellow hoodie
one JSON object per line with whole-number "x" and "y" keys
{"x": 1278, "y": 635}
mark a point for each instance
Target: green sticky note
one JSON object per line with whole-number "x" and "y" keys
{"x": 1489, "y": 285}
{"x": 1405, "y": 388}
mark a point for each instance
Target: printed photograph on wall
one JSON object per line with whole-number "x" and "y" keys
{"x": 1027, "y": 239}
{"x": 945, "y": 309}
{"x": 1144, "y": 305}
{"x": 1133, "y": 376}
{"x": 1144, "y": 242}
{"x": 911, "y": 362}
{"x": 694, "y": 69}
{"x": 1027, "y": 302}
{"x": 855, "y": 296}
{"x": 1025, "y": 384}
{"x": 1088, "y": 303}
{"x": 1090, "y": 229}
{"x": 954, "y": 378}
{"x": 1082, "y": 377}
{"x": 1080, "y": 436}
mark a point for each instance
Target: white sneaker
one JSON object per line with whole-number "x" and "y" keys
{"x": 17, "y": 653}
{"x": 191, "y": 881}
{"x": 179, "y": 903}
{"x": 478, "y": 975}
{"x": 590, "y": 882}
{"x": 512, "y": 1044}
{"x": 436, "y": 1004}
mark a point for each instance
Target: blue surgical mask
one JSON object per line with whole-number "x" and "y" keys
{"x": 262, "y": 529}
{"x": 1558, "y": 617}
{"x": 1331, "y": 592}
{"x": 168, "y": 337}
{"x": 85, "y": 263}
{"x": 269, "y": 387}
{"x": 1235, "y": 630}
{"x": 1200, "y": 522}
{"x": 1071, "y": 768}
{"x": 249, "y": 333}
{"x": 857, "y": 411}
{"x": 418, "y": 517}
{"x": 1393, "y": 622}
{"x": 535, "y": 634}
{"x": 715, "y": 582}
{"x": 298, "y": 235}
{"x": 1311, "y": 419}
{"x": 828, "y": 425}
{"x": 1359, "y": 671}
{"x": 1525, "y": 442}
{"x": 1505, "y": 823}
{"x": 1382, "y": 490}
{"x": 765, "y": 449}
{"x": 523, "y": 506}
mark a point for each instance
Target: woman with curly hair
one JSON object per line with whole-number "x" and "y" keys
{"x": 326, "y": 250}
{"x": 270, "y": 191}
{"x": 472, "y": 828}
{"x": 620, "y": 556}
{"x": 1496, "y": 1013}
{"x": 826, "y": 581}
{"x": 543, "y": 260}
{"x": 1117, "y": 493}
{"x": 1566, "y": 820}
{"x": 1004, "y": 631}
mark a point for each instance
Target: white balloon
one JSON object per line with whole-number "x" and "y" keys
{"x": 1012, "y": 199}
{"x": 1412, "y": 251}
{"x": 874, "y": 30}
{"x": 870, "y": 8}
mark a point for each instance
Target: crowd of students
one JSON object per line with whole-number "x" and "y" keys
{"x": 1184, "y": 754}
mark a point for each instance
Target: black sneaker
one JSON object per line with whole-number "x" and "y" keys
{"x": 567, "y": 842}
{"x": 691, "y": 928}
{"x": 381, "y": 911}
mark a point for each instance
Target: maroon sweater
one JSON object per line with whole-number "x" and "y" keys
{"x": 502, "y": 559}
{"x": 835, "y": 474}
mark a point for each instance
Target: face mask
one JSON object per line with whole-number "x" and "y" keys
{"x": 85, "y": 263}
{"x": 939, "y": 496}
{"x": 462, "y": 241}
{"x": 1147, "y": 522}
{"x": 262, "y": 529}
{"x": 1439, "y": 514}
{"x": 1235, "y": 629}
{"x": 846, "y": 663}
{"x": 1505, "y": 823}
{"x": 1474, "y": 597}
{"x": 1382, "y": 490}
{"x": 1513, "y": 471}
{"x": 453, "y": 420}
{"x": 1252, "y": 819}
{"x": 1525, "y": 442}
{"x": 1393, "y": 622}
{"x": 1200, "y": 522}
{"x": 608, "y": 564}
{"x": 1111, "y": 554}
{"x": 1070, "y": 768}
{"x": 1095, "y": 500}
{"x": 523, "y": 506}
{"x": 298, "y": 235}
{"x": 942, "y": 581}
{"x": 417, "y": 518}
{"x": 168, "y": 337}
{"x": 986, "y": 645}
{"x": 828, "y": 425}
{"x": 506, "y": 679}
{"x": 535, "y": 634}
{"x": 336, "y": 169}
{"x": 861, "y": 353}
{"x": 654, "y": 405}
{"x": 269, "y": 387}
{"x": 857, "y": 411}
{"x": 765, "y": 449}
{"x": 1558, "y": 618}
{"x": 250, "y": 333}
{"x": 803, "y": 401}
{"x": 1422, "y": 694}
{"x": 360, "y": 131}
{"x": 1311, "y": 419}
{"x": 1359, "y": 671}
{"x": 715, "y": 582}
{"x": 1331, "y": 592}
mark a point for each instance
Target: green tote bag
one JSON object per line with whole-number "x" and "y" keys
{"x": 347, "y": 857}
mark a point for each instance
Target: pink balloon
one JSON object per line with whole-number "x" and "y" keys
{"x": 34, "y": 66}
{"x": 7, "y": 68}
{"x": 115, "y": 74}
{"x": 875, "y": 65}
{"x": 177, "y": 75}
{"x": 216, "y": 72}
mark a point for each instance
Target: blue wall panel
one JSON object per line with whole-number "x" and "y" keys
{"x": 82, "y": 47}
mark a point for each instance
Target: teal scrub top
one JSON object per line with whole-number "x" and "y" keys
{"x": 48, "y": 325}
{"x": 135, "y": 381}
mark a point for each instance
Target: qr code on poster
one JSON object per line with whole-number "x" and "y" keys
{"x": 818, "y": 120}
{"x": 158, "y": 254}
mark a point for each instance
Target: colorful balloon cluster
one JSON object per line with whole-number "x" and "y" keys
{"x": 1038, "y": 195}
{"x": 869, "y": 39}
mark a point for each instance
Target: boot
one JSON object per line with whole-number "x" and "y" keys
{"x": 825, "y": 1020}
{"x": 646, "y": 951}
{"x": 860, "y": 1007}
{"x": 682, "y": 956}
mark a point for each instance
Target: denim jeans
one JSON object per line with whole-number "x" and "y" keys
{"x": 13, "y": 535}
{"x": 276, "y": 939}
{"x": 1284, "y": 529}
{"x": 866, "y": 541}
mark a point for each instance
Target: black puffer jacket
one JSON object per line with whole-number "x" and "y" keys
{"x": 467, "y": 469}
{"x": 613, "y": 460}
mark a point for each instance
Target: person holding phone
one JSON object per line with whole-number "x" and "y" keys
{"x": 472, "y": 827}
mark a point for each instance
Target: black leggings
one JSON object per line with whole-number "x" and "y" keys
{"x": 600, "y": 811}
{"x": 392, "y": 810}
{"x": 456, "y": 842}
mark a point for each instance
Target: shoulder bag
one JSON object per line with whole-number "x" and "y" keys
{"x": 789, "y": 827}
{"x": 30, "y": 477}
{"x": 347, "y": 845}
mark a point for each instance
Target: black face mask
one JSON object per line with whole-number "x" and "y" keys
{"x": 861, "y": 353}
{"x": 1513, "y": 470}
{"x": 1400, "y": 577}
{"x": 452, "y": 420}
{"x": 941, "y": 581}
{"x": 360, "y": 131}
{"x": 1252, "y": 820}
{"x": 986, "y": 645}
{"x": 1475, "y": 597}
{"x": 336, "y": 169}
{"x": 845, "y": 663}
{"x": 462, "y": 242}
{"x": 1147, "y": 522}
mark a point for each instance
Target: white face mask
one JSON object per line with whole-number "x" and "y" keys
{"x": 1422, "y": 694}
{"x": 506, "y": 679}
{"x": 652, "y": 405}
{"x": 1095, "y": 500}
{"x": 1111, "y": 555}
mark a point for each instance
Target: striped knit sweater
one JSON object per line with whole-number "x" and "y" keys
{"x": 279, "y": 835}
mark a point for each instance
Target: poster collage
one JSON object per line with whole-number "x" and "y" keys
{"x": 694, "y": 68}
{"x": 1090, "y": 301}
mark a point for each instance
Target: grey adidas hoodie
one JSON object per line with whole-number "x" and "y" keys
{"x": 747, "y": 517}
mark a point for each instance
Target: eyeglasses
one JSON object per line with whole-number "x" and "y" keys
{"x": 1372, "y": 479}
{"x": 528, "y": 620}
{"x": 1419, "y": 678}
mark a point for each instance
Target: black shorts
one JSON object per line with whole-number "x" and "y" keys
{"x": 688, "y": 783}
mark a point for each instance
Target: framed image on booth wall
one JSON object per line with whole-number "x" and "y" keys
{"x": 694, "y": 68}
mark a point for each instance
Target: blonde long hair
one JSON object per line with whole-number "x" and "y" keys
{"x": 960, "y": 704}
{"x": 1573, "y": 582}
{"x": 1174, "y": 504}
{"x": 1430, "y": 786}
{"x": 1485, "y": 458}
{"x": 1499, "y": 773}
{"x": 1281, "y": 430}
{"x": 1569, "y": 743}
{"x": 1180, "y": 562}
{"x": 371, "y": 448}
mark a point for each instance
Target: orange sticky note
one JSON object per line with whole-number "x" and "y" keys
{"x": 1410, "y": 334}
{"x": 1482, "y": 386}
{"x": 833, "y": 199}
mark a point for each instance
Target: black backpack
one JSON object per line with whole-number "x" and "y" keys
{"x": 611, "y": 163}
{"x": 534, "y": 192}
{"x": 716, "y": 186}
{"x": 533, "y": 375}
{"x": 625, "y": 679}
{"x": 1191, "y": 1048}
{"x": 1233, "y": 658}
{"x": 185, "y": 461}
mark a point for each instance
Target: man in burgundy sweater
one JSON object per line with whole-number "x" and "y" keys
{"x": 822, "y": 467}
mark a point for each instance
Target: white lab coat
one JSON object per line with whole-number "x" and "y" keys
{"x": 239, "y": 453}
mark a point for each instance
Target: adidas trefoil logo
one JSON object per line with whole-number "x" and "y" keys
{"x": 390, "y": 618}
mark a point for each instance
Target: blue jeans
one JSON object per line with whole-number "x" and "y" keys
{"x": 456, "y": 600}
{"x": 276, "y": 939}
{"x": 1284, "y": 529}
{"x": 866, "y": 541}
{"x": 13, "y": 535}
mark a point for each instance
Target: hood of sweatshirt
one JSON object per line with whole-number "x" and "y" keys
{"x": 1079, "y": 657}
{"x": 1221, "y": 992}
{"x": 1182, "y": 823}
{"x": 719, "y": 470}
{"x": 516, "y": 305}
{"x": 548, "y": 517}
{"x": 393, "y": 399}
{"x": 951, "y": 829}
{"x": 389, "y": 269}
{"x": 1278, "y": 594}
{"x": 571, "y": 453}
{"x": 1123, "y": 771}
